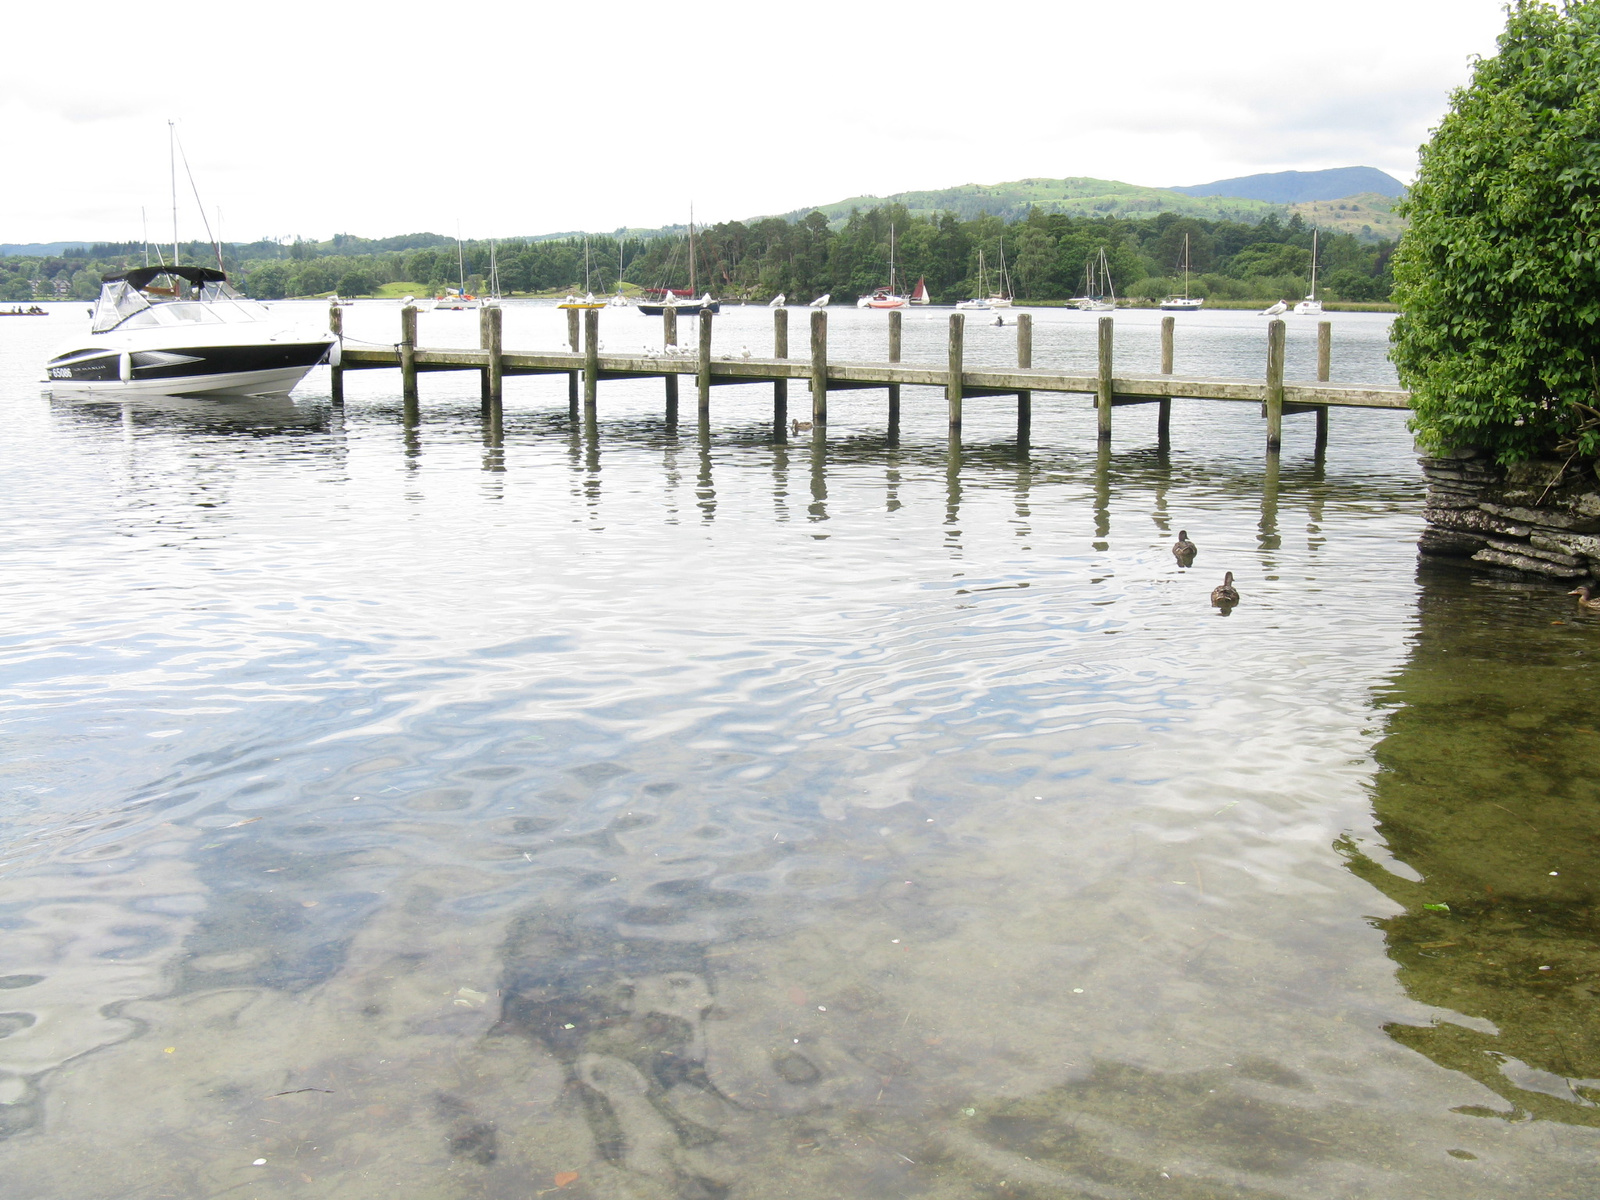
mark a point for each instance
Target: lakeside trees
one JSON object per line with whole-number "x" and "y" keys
{"x": 1045, "y": 254}
{"x": 1499, "y": 276}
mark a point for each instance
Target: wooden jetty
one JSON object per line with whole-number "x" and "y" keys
{"x": 586, "y": 368}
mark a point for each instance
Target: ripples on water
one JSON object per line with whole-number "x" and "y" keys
{"x": 430, "y": 817}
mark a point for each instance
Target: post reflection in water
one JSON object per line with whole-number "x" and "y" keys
{"x": 818, "y": 508}
{"x": 1267, "y": 530}
{"x": 639, "y": 884}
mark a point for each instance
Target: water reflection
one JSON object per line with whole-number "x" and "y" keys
{"x": 1487, "y": 799}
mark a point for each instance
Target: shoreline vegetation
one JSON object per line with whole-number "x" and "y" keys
{"x": 1234, "y": 264}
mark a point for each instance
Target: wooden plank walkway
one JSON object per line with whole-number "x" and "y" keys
{"x": 587, "y": 365}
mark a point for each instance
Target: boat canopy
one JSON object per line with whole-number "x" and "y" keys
{"x": 140, "y": 277}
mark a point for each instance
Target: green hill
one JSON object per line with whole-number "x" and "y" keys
{"x": 1368, "y": 216}
{"x": 1078, "y": 197}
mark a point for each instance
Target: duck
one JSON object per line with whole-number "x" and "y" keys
{"x": 1586, "y": 597}
{"x": 1183, "y": 549}
{"x": 1225, "y": 595}
{"x": 799, "y": 426}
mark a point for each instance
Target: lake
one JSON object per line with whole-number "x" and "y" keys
{"x": 400, "y": 813}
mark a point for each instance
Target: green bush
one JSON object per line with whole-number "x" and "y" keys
{"x": 1498, "y": 278}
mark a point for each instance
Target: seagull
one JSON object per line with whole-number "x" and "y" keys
{"x": 744, "y": 351}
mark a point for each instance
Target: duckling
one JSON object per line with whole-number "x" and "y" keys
{"x": 799, "y": 426}
{"x": 1225, "y": 595}
{"x": 1586, "y": 597}
{"x": 1183, "y": 549}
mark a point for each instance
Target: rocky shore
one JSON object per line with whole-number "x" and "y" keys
{"x": 1540, "y": 517}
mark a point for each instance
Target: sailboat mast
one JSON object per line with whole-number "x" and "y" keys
{"x": 461, "y": 261}
{"x": 694, "y": 287}
{"x": 172, "y": 167}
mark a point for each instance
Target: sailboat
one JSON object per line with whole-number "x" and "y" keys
{"x": 494, "y": 296}
{"x": 981, "y": 300}
{"x": 919, "y": 294}
{"x": 885, "y": 297}
{"x": 1002, "y": 298}
{"x": 1311, "y": 306}
{"x": 1183, "y": 303}
{"x": 457, "y": 299}
{"x": 691, "y": 305}
{"x": 618, "y": 300}
{"x": 588, "y": 300}
{"x": 1098, "y": 293}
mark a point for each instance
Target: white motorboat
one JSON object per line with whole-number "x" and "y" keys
{"x": 981, "y": 300}
{"x": 196, "y": 336}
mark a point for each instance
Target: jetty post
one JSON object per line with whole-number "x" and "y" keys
{"x": 894, "y": 388}
{"x": 408, "y": 362}
{"x": 1274, "y": 399}
{"x": 669, "y": 341}
{"x": 1164, "y": 409}
{"x": 780, "y": 387}
{"x": 491, "y": 337}
{"x": 1024, "y": 360}
{"x": 702, "y": 374}
{"x": 336, "y": 327}
{"x": 591, "y": 361}
{"x": 1102, "y": 391}
{"x": 572, "y": 376}
{"x": 1324, "y": 372}
{"x": 819, "y": 369}
{"x": 952, "y": 384}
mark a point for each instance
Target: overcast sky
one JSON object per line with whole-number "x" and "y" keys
{"x": 377, "y": 119}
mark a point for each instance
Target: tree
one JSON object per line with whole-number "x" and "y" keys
{"x": 1498, "y": 278}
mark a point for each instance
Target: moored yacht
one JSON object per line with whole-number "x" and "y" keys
{"x": 196, "y": 336}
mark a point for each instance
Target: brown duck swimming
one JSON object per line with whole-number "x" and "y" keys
{"x": 1183, "y": 549}
{"x": 1586, "y": 597}
{"x": 1225, "y": 595}
{"x": 799, "y": 426}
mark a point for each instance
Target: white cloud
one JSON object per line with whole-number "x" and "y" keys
{"x": 525, "y": 118}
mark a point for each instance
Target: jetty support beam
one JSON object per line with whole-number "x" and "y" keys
{"x": 819, "y": 368}
{"x": 952, "y": 385}
{"x": 1274, "y": 397}
{"x": 1102, "y": 392}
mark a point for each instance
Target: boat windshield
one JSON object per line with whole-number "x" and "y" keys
{"x": 117, "y": 303}
{"x": 123, "y": 307}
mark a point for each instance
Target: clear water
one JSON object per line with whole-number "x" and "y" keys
{"x": 640, "y": 815}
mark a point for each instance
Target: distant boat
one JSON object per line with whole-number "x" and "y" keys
{"x": 1002, "y": 298}
{"x": 1311, "y": 306}
{"x": 981, "y": 300}
{"x": 457, "y": 299}
{"x": 588, "y": 301}
{"x": 1098, "y": 293}
{"x": 822, "y": 300}
{"x": 672, "y": 303}
{"x": 778, "y": 301}
{"x": 1278, "y": 309}
{"x": 1183, "y": 303}
{"x": 919, "y": 294}
{"x": 885, "y": 297}
{"x": 670, "y": 298}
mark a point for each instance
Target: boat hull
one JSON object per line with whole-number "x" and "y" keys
{"x": 1181, "y": 305}
{"x": 264, "y": 369}
{"x": 656, "y": 310}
